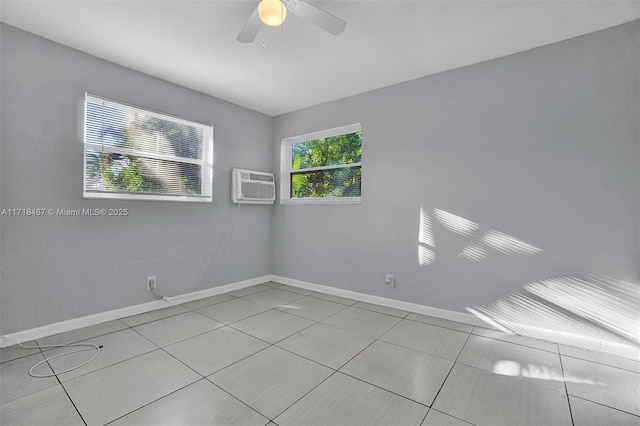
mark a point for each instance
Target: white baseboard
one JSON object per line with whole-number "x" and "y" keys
{"x": 73, "y": 324}
{"x": 87, "y": 321}
{"x": 391, "y": 303}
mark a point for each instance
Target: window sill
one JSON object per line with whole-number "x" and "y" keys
{"x": 145, "y": 197}
{"x": 336, "y": 200}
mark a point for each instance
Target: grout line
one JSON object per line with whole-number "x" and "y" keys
{"x": 519, "y": 344}
{"x": 156, "y": 319}
{"x": 71, "y": 400}
{"x": 366, "y": 308}
{"x": 605, "y": 364}
{"x": 566, "y": 390}
{"x": 238, "y": 399}
{"x": 334, "y": 301}
{"x": 435, "y": 398}
{"x": 343, "y": 307}
{"x": 449, "y": 415}
{"x": 78, "y": 341}
{"x": 607, "y": 406}
{"x": 385, "y": 389}
{"x": 438, "y": 325}
{"x": 155, "y": 400}
{"x": 61, "y": 385}
{"x": 305, "y": 394}
{"x": 208, "y": 305}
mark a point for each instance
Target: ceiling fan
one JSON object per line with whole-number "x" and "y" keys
{"x": 274, "y": 12}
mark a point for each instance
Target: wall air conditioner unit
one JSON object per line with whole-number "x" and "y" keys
{"x": 252, "y": 187}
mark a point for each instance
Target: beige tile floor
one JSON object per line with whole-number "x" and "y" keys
{"x": 278, "y": 355}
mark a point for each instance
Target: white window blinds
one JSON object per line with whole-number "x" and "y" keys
{"x": 132, "y": 153}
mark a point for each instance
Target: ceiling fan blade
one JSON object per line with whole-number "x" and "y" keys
{"x": 250, "y": 30}
{"x": 317, "y": 16}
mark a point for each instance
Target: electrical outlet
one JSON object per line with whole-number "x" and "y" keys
{"x": 151, "y": 282}
{"x": 389, "y": 280}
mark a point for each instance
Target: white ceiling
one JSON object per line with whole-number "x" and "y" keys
{"x": 192, "y": 43}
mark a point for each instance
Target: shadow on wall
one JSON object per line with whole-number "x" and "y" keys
{"x": 593, "y": 312}
{"x": 478, "y": 247}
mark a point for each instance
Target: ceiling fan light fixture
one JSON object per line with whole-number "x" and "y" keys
{"x": 272, "y": 12}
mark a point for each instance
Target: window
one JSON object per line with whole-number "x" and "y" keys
{"x": 322, "y": 167}
{"x": 130, "y": 153}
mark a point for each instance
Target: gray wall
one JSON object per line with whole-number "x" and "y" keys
{"x": 541, "y": 145}
{"x": 58, "y": 268}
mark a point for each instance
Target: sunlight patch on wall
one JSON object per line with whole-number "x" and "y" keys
{"x": 474, "y": 253}
{"x": 593, "y": 312}
{"x": 477, "y": 249}
{"x": 456, "y": 224}
{"x": 426, "y": 256}
{"x": 613, "y": 304}
{"x": 509, "y": 245}
{"x": 425, "y": 234}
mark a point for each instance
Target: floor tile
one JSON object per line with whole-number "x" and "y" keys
{"x": 337, "y": 299}
{"x": 601, "y": 358}
{"x": 272, "y": 284}
{"x": 312, "y": 308}
{"x": 272, "y": 326}
{"x": 16, "y": 351}
{"x": 201, "y": 403}
{"x": 171, "y": 330}
{"x": 587, "y": 413}
{"x": 48, "y": 407}
{"x": 157, "y": 314}
{"x": 249, "y": 290}
{"x": 603, "y": 384}
{"x": 116, "y": 347}
{"x": 208, "y": 301}
{"x": 232, "y": 311}
{"x": 16, "y": 381}
{"x": 296, "y": 289}
{"x": 539, "y": 367}
{"x": 361, "y": 321}
{"x": 83, "y": 333}
{"x": 412, "y": 374}
{"x": 519, "y": 340}
{"x": 111, "y": 392}
{"x": 273, "y": 297}
{"x": 209, "y": 352}
{"x": 382, "y": 309}
{"x": 483, "y": 398}
{"x": 343, "y": 400}
{"x": 271, "y": 380}
{"x": 440, "y": 322}
{"x": 430, "y": 339}
{"x": 327, "y": 345}
{"x": 436, "y": 418}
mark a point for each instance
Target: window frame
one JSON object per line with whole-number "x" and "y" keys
{"x": 286, "y": 169}
{"x": 206, "y": 163}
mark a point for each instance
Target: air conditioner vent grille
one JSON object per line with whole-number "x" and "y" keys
{"x": 263, "y": 178}
{"x": 257, "y": 190}
{"x": 252, "y": 187}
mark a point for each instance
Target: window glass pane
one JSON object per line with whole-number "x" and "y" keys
{"x": 126, "y": 127}
{"x": 330, "y": 151}
{"x": 107, "y": 171}
{"x": 344, "y": 182}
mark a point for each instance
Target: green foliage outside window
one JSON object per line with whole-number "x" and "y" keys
{"x": 127, "y": 173}
{"x": 331, "y": 154}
